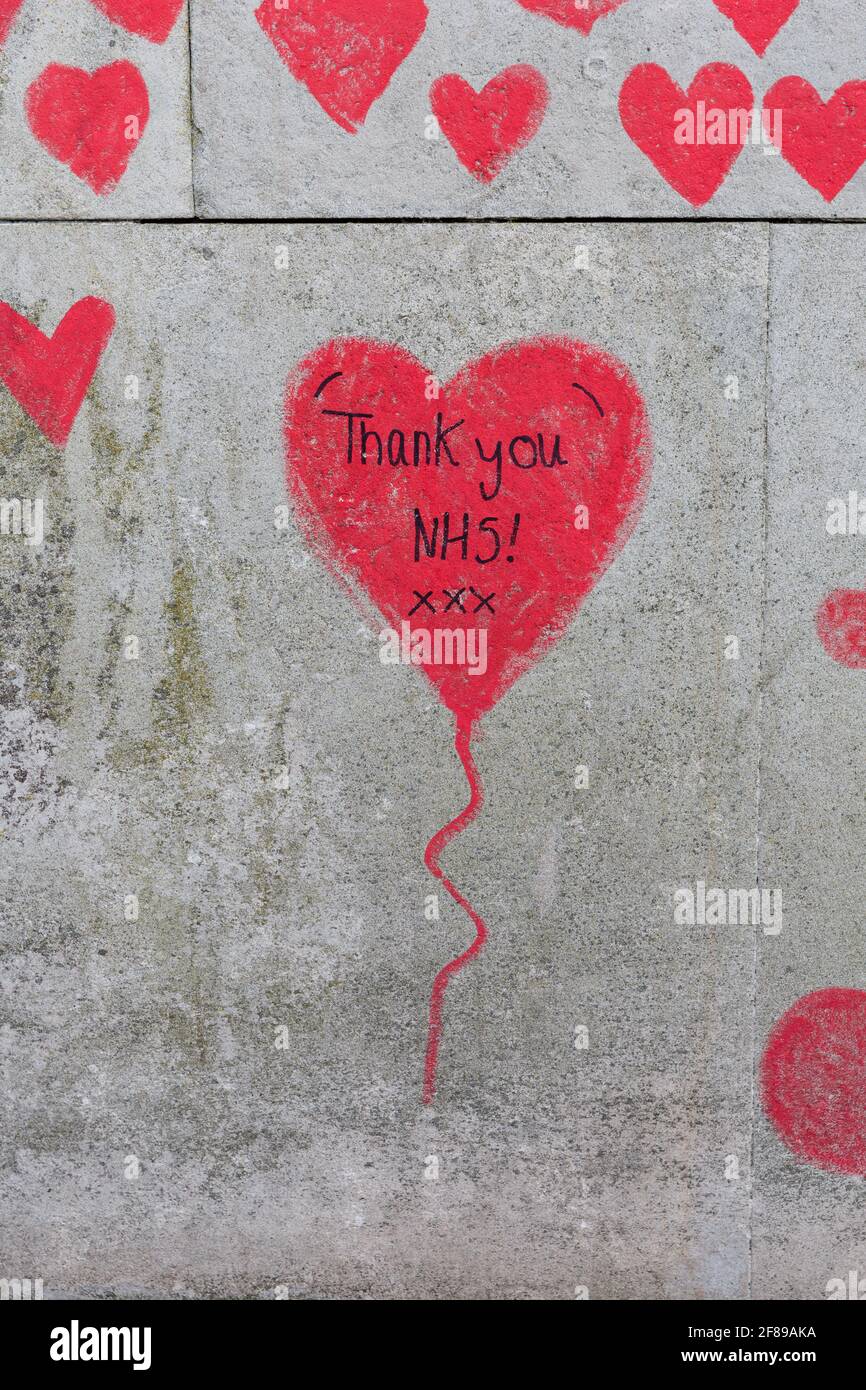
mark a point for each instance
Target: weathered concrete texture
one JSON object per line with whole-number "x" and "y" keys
{"x": 158, "y": 180}
{"x": 266, "y": 148}
{"x": 808, "y": 1225}
{"x": 298, "y": 902}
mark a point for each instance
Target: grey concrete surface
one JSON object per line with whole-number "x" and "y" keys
{"x": 265, "y": 148}
{"x": 158, "y": 180}
{"x": 265, "y": 788}
{"x": 809, "y": 1225}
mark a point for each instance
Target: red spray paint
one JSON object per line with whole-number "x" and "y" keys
{"x": 573, "y": 16}
{"x": 90, "y": 121}
{"x": 650, "y": 104}
{"x": 152, "y": 19}
{"x": 49, "y": 377}
{"x": 824, "y": 141}
{"x": 8, "y": 10}
{"x": 841, "y": 626}
{"x": 758, "y": 23}
{"x": 813, "y": 1079}
{"x": 343, "y": 51}
{"x": 486, "y": 128}
{"x": 474, "y": 513}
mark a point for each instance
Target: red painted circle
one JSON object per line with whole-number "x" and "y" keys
{"x": 813, "y": 1079}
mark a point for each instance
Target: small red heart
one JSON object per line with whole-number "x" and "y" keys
{"x": 486, "y": 128}
{"x": 573, "y": 15}
{"x": 152, "y": 19}
{"x": 652, "y": 107}
{"x": 841, "y": 624}
{"x": 345, "y": 52}
{"x": 824, "y": 141}
{"x": 90, "y": 121}
{"x": 8, "y": 11}
{"x": 573, "y": 434}
{"x": 758, "y": 23}
{"x": 813, "y": 1079}
{"x": 49, "y": 377}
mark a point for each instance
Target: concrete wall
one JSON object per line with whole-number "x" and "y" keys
{"x": 216, "y": 1091}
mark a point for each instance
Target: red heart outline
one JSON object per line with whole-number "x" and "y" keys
{"x": 360, "y": 517}
{"x": 49, "y": 377}
{"x": 825, "y": 142}
{"x": 81, "y": 119}
{"x": 343, "y": 51}
{"x": 758, "y": 23}
{"x": 485, "y": 129}
{"x": 571, "y": 15}
{"x": 650, "y": 103}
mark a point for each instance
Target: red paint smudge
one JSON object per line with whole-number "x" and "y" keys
{"x": 343, "y": 51}
{"x": 152, "y": 19}
{"x": 813, "y": 1079}
{"x": 758, "y": 24}
{"x": 439, "y": 841}
{"x": 86, "y": 119}
{"x": 49, "y": 377}
{"x": 841, "y": 625}
{"x": 824, "y": 141}
{"x": 485, "y": 129}
{"x": 573, "y": 16}
{"x": 649, "y": 103}
{"x": 8, "y": 11}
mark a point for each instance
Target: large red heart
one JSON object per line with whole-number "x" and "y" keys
{"x": 813, "y": 1079}
{"x": 656, "y": 113}
{"x": 378, "y": 455}
{"x": 152, "y": 19}
{"x": 841, "y": 624}
{"x": 572, "y": 15}
{"x": 90, "y": 121}
{"x": 486, "y": 128}
{"x": 824, "y": 141}
{"x": 758, "y": 23}
{"x": 8, "y": 11}
{"x": 345, "y": 52}
{"x": 49, "y": 377}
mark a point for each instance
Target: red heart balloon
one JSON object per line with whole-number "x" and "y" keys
{"x": 813, "y": 1079}
{"x": 8, "y": 11}
{"x": 346, "y": 53}
{"x": 49, "y": 377}
{"x": 824, "y": 141}
{"x": 486, "y": 508}
{"x": 651, "y": 107}
{"x": 86, "y": 119}
{"x": 841, "y": 624}
{"x": 758, "y": 23}
{"x": 486, "y": 128}
{"x": 572, "y": 15}
{"x": 152, "y": 19}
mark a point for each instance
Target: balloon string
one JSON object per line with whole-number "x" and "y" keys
{"x": 431, "y": 858}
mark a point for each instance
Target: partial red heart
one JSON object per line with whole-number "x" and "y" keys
{"x": 486, "y": 128}
{"x": 90, "y": 121}
{"x": 824, "y": 141}
{"x": 841, "y": 624}
{"x": 8, "y": 11}
{"x": 49, "y": 377}
{"x": 476, "y": 515}
{"x": 573, "y": 15}
{"x": 346, "y": 53}
{"x": 678, "y": 130}
{"x": 152, "y": 19}
{"x": 813, "y": 1079}
{"x": 758, "y": 23}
